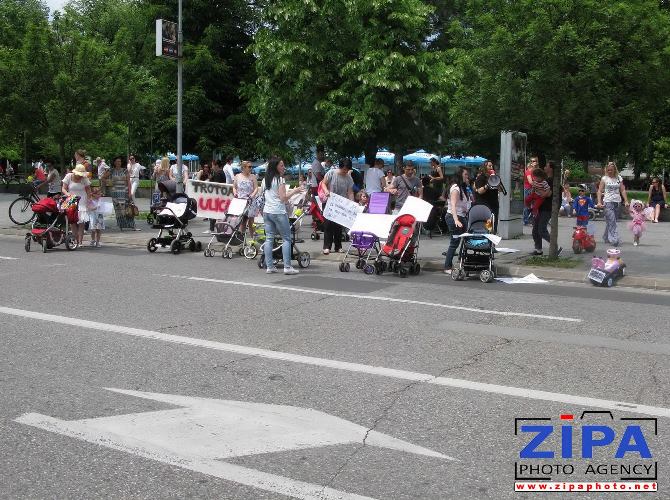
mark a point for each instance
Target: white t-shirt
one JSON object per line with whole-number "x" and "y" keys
{"x": 134, "y": 170}
{"x": 612, "y": 192}
{"x": 373, "y": 178}
{"x": 462, "y": 204}
{"x": 273, "y": 204}
{"x": 184, "y": 172}
{"x": 230, "y": 173}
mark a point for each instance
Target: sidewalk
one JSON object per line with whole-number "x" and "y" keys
{"x": 647, "y": 264}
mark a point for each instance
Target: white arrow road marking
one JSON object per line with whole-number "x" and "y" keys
{"x": 381, "y": 371}
{"x": 204, "y": 431}
{"x": 8, "y": 258}
{"x": 376, "y": 298}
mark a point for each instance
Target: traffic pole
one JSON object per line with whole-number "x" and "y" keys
{"x": 180, "y": 177}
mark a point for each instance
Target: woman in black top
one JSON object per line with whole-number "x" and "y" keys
{"x": 436, "y": 175}
{"x": 484, "y": 195}
{"x": 657, "y": 196}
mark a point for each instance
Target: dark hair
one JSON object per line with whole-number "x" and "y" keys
{"x": 272, "y": 171}
{"x": 435, "y": 160}
{"x": 229, "y": 159}
{"x": 425, "y": 181}
{"x": 458, "y": 180}
{"x": 345, "y": 163}
{"x": 379, "y": 161}
{"x": 539, "y": 173}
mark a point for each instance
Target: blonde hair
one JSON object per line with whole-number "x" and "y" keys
{"x": 616, "y": 170}
{"x": 165, "y": 163}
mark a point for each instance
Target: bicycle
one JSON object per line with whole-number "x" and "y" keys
{"x": 20, "y": 211}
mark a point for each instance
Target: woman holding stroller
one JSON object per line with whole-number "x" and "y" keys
{"x": 121, "y": 193}
{"x": 275, "y": 216}
{"x": 460, "y": 199}
{"x": 340, "y": 182}
{"x": 245, "y": 186}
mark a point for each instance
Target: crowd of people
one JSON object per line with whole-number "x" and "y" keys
{"x": 451, "y": 198}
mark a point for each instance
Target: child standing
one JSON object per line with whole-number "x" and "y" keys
{"x": 639, "y": 214}
{"x": 97, "y": 218}
{"x": 581, "y": 205}
{"x": 539, "y": 186}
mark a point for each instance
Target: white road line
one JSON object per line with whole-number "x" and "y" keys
{"x": 520, "y": 392}
{"x": 374, "y": 298}
{"x": 8, "y": 258}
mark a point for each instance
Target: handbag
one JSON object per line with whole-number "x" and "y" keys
{"x": 132, "y": 210}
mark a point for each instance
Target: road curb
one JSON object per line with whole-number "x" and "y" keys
{"x": 429, "y": 265}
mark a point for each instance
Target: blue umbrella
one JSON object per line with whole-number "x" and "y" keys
{"x": 451, "y": 163}
{"x": 383, "y": 154}
{"x": 420, "y": 157}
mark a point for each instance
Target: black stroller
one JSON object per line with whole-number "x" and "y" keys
{"x": 303, "y": 258}
{"x": 476, "y": 253}
{"x": 173, "y": 219}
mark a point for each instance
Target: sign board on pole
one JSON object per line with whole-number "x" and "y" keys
{"x": 213, "y": 198}
{"x": 341, "y": 210}
{"x": 166, "y": 39}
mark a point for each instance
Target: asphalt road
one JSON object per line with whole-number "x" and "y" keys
{"x": 427, "y": 375}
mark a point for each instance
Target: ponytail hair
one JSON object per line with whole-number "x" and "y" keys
{"x": 272, "y": 171}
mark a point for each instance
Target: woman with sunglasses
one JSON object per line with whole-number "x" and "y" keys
{"x": 245, "y": 186}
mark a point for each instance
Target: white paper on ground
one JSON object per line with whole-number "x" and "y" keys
{"x": 417, "y": 207}
{"x": 507, "y": 250}
{"x": 529, "y": 279}
{"x": 377, "y": 224}
{"x": 491, "y": 237}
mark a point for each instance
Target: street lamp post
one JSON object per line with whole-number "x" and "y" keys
{"x": 180, "y": 178}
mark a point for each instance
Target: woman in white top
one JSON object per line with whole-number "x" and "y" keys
{"x": 76, "y": 183}
{"x": 275, "y": 216}
{"x": 610, "y": 193}
{"x": 460, "y": 199}
{"x": 134, "y": 171}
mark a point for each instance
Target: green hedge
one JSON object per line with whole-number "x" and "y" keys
{"x": 144, "y": 183}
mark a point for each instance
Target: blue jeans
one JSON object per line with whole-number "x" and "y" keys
{"x": 453, "y": 244}
{"x": 277, "y": 224}
{"x": 526, "y": 210}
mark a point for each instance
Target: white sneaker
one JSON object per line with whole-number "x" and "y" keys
{"x": 92, "y": 243}
{"x": 97, "y": 244}
{"x": 635, "y": 243}
{"x": 271, "y": 270}
{"x": 290, "y": 270}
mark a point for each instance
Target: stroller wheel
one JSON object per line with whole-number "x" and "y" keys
{"x": 416, "y": 269}
{"x": 341, "y": 267}
{"x": 360, "y": 263}
{"x": 70, "y": 242}
{"x": 379, "y": 268}
{"x": 402, "y": 271}
{"x": 261, "y": 262}
{"x": 250, "y": 251}
{"x": 44, "y": 245}
{"x": 175, "y": 247}
{"x": 206, "y": 252}
{"x": 152, "y": 246}
{"x": 457, "y": 274}
{"x": 369, "y": 269}
{"x": 347, "y": 267}
{"x": 384, "y": 266}
{"x": 151, "y": 219}
{"x": 304, "y": 260}
{"x": 486, "y": 276}
{"x": 241, "y": 251}
{"x": 198, "y": 246}
{"x": 313, "y": 236}
{"x": 26, "y": 243}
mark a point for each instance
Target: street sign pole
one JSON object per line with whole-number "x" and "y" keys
{"x": 180, "y": 179}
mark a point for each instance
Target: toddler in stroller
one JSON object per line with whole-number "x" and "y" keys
{"x": 401, "y": 248}
{"x": 476, "y": 252}
{"x": 231, "y": 232}
{"x": 51, "y": 226}
{"x": 174, "y": 219}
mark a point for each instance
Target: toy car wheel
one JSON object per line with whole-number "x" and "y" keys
{"x": 250, "y": 251}
{"x": 623, "y": 271}
{"x": 313, "y": 236}
{"x": 347, "y": 267}
{"x": 577, "y": 247}
{"x": 70, "y": 242}
{"x": 610, "y": 282}
{"x": 486, "y": 276}
{"x": 402, "y": 271}
{"x": 175, "y": 247}
{"x": 369, "y": 269}
{"x": 26, "y": 243}
{"x": 152, "y": 245}
{"x": 304, "y": 260}
{"x": 44, "y": 245}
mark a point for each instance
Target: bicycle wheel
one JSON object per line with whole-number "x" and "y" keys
{"x": 20, "y": 212}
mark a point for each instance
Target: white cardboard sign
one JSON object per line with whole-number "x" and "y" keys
{"x": 417, "y": 207}
{"x": 377, "y": 224}
{"x": 341, "y": 210}
{"x": 213, "y": 198}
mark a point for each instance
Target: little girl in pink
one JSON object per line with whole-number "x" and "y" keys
{"x": 639, "y": 214}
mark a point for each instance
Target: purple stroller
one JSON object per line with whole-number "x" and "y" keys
{"x": 365, "y": 247}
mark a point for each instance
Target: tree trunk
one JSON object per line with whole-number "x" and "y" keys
{"x": 555, "y": 207}
{"x": 370, "y": 151}
{"x": 61, "y": 153}
{"x": 397, "y": 160}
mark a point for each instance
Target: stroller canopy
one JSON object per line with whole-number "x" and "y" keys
{"x": 168, "y": 187}
{"x": 477, "y": 216}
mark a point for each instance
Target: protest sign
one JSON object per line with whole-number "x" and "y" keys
{"x": 213, "y": 198}
{"x": 341, "y": 210}
{"x": 417, "y": 207}
{"x": 377, "y": 224}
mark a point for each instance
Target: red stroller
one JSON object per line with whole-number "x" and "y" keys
{"x": 401, "y": 248}
{"x": 315, "y": 210}
{"x": 51, "y": 227}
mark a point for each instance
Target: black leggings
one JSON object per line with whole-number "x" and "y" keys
{"x": 332, "y": 234}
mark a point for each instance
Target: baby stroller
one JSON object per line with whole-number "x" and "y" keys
{"x": 303, "y": 258}
{"x": 401, "y": 248}
{"x": 51, "y": 226}
{"x": 174, "y": 219}
{"x": 316, "y": 211}
{"x": 476, "y": 252}
{"x": 231, "y": 231}
{"x": 158, "y": 203}
{"x": 366, "y": 246}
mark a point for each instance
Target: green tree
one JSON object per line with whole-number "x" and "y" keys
{"x": 580, "y": 76}
{"x": 365, "y": 80}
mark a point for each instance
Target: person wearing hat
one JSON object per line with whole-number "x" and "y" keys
{"x": 77, "y": 183}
